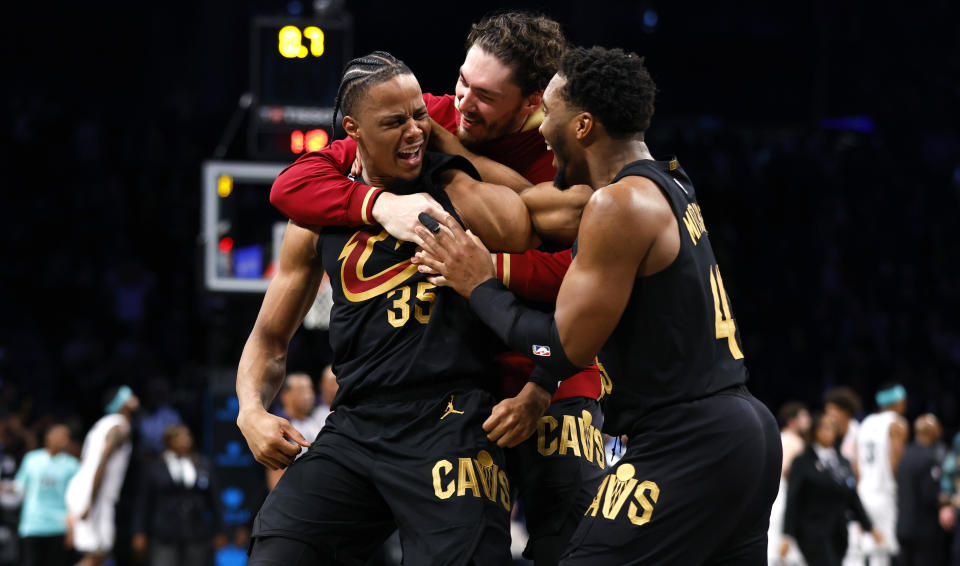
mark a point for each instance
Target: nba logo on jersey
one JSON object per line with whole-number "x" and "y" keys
{"x": 541, "y": 351}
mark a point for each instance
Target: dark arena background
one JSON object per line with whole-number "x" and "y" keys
{"x": 823, "y": 138}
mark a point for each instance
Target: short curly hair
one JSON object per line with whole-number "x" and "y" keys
{"x": 531, "y": 44}
{"x": 844, "y": 398}
{"x": 789, "y": 411}
{"x": 611, "y": 84}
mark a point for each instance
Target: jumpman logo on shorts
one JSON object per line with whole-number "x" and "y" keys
{"x": 450, "y": 410}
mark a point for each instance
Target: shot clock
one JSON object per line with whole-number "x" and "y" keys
{"x": 295, "y": 70}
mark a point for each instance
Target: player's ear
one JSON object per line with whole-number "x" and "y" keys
{"x": 584, "y": 123}
{"x": 351, "y": 126}
{"x": 532, "y": 102}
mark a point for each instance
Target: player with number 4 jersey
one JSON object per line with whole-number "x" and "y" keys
{"x": 645, "y": 298}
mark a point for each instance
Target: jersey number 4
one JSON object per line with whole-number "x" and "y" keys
{"x": 726, "y": 327}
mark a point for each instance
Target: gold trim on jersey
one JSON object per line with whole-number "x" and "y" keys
{"x": 363, "y": 209}
{"x": 606, "y": 384}
{"x": 533, "y": 121}
{"x": 506, "y": 270}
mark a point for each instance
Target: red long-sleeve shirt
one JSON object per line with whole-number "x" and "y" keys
{"x": 314, "y": 190}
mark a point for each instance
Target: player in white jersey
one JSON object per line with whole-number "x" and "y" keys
{"x": 794, "y": 419}
{"x": 880, "y": 444}
{"x": 93, "y": 492}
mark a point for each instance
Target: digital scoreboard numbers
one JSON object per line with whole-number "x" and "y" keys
{"x": 290, "y": 43}
{"x": 295, "y": 71}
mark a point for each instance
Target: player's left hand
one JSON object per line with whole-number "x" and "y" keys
{"x": 459, "y": 257}
{"x": 440, "y": 280}
{"x": 513, "y": 420}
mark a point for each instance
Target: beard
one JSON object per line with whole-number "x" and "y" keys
{"x": 560, "y": 179}
{"x": 491, "y": 130}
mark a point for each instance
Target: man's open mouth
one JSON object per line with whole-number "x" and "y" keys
{"x": 467, "y": 122}
{"x": 412, "y": 154}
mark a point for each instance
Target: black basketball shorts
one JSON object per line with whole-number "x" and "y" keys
{"x": 425, "y": 467}
{"x": 695, "y": 486}
{"x": 556, "y": 473}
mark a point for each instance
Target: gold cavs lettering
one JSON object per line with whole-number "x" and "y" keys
{"x": 472, "y": 477}
{"x": 575, "y": 436}
{"x": 623, "y": 495}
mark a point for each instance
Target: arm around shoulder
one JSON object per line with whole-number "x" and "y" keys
{"x": 534, "y": 275}
{"x": 496, "y": 214}
{"x": 490, "y": 171}
{"x": 316, "y": 191}
{"x": 556, "y": 213}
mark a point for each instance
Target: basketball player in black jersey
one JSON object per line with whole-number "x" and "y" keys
{"x": 643, "y": 296}
{"x": 404, "y": 447}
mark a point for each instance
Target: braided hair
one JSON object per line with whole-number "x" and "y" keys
{"x": 362, "y": 73}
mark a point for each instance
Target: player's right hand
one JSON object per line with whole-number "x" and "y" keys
{"x": 515, "y": 419}
{"x": 272, "y": 439}
{"x": 399, "y": 214}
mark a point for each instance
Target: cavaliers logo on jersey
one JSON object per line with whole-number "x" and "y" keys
{"x": 359, "y": 285}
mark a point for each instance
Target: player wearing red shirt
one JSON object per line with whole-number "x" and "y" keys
{"x": 496, "y": 113}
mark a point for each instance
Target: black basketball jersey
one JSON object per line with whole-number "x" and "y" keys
{"x": 677, "y": 340}
{"x": 391, "y": 330}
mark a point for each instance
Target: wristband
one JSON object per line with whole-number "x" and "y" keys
{"x": 544, "y": 379}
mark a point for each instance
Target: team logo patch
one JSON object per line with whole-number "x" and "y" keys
{"x": 541, "y": 351}
{"x": 357, "y": 284}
